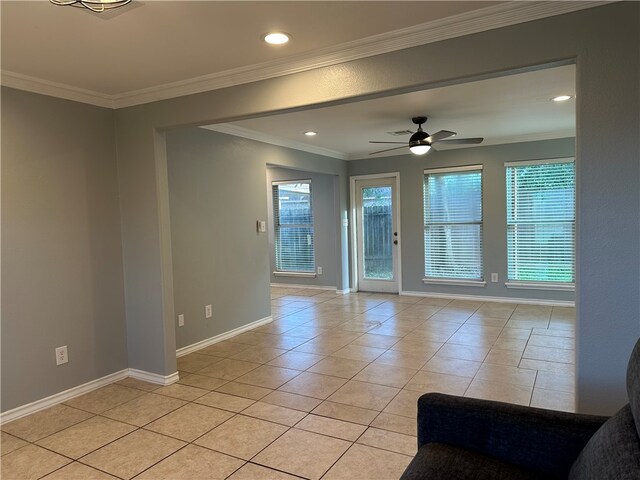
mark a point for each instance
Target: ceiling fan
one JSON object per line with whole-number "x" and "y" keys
{"x": 421, "y": 142}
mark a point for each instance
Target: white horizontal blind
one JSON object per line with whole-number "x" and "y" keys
{"x": 541, "y": 221}
{"x": 453, "y": 223}
{"x": 293, "y": 219}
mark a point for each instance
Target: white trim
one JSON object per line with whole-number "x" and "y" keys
{"x": 223, "y": 336}
{"x": 546, "y": 161}
{"x": 60, "y": 397}
{"x": 154, "y": 377}
{"x": 452, "y": 281}
{"x": 346, "y": 291}
{"x": 309, "y": 287}
{"x": 292, "y": 181}
{"x": 463, "y": 168}
{"x": 482, "y": 298}
{"x": 481, "y": 20}
{"x": 563, "y": 287}
{"x": 237, "y": 131}
{"x": 295, "y": 274}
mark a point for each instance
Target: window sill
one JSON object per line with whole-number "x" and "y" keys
{"x": 451, "y": 281}
{"x": 563, "y": 287}
{"x": 295, "y": 274}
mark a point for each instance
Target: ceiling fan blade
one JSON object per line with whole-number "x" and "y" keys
{"x": 388, "y": 150}
{"x": 442, "y": 134}
{"x": 462, "y": 141}
{"x": 376, "y": 141}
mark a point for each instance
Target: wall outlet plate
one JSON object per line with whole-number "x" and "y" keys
{"x": 494, "y": 277}
{"x": 62, "y": 355}
{"x": 208, "y": 311}
{"x": 319, "y": 270}
{"x": 181, "y": 320}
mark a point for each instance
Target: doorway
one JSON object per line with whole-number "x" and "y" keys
{"x": 377, "y": 232}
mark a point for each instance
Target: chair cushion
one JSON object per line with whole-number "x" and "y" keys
{"x": 612, "y": 453}
{"x": 439, "y": 461}
{"x": 633, "y": 384}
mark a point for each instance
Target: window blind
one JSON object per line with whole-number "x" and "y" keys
{"x": 541, "y": 221}
{"x": 453, "y": 223}
{"x": 293, "y": 219}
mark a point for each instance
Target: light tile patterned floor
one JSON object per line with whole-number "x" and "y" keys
{"x": 327, "y": 390}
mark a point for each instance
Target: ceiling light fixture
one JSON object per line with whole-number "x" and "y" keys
{"x": 562, "y": 98}
{"x": 276, "y": 38}
{"x": 419, "y": 149}
{"x": 97, "y": 6}
{"x": 310, "y": 133}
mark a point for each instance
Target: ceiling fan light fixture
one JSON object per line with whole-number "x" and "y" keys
{"x": 562, "y": 98}
{"x": 97, "y": 6}
{"x": 276, "y": 38}
{"x": 419, "y": 149}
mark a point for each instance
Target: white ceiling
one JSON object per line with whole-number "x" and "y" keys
{"x": 505, "y": 109}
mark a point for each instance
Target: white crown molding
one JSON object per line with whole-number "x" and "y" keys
{"x": 237, "y": 131}
{"x": 53, "y": 89}
{"x": 489, "y": 18}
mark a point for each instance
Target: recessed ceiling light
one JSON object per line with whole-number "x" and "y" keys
{"x": 276, "y": 38}
{"x": 310, "y": 133}
{"x": 562, "y": 98}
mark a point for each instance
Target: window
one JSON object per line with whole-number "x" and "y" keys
{"x": 541, "y": 221}
{"x": 453, "y": 224}
{"x": 293, "y": 220}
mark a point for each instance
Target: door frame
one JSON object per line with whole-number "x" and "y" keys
{"x": 352, "y": 228}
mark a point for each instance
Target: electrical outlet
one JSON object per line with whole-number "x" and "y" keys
{"x": 319, "y": 270}
{"x": 208, "y": 313}
{"x": 181, "y": 320}
{"x": 62, "y": 355}
{"x": 494, "y": 277}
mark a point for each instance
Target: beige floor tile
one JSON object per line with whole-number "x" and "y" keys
{"x": 348, "y": 413}
{"x": 388, "y": 375}
{"x": 139, "y": 384}
{"x": 251, "y": 471}
{"x": 527, "y": 323}
{"x": 296, "y": 360}
{"x": 479, "y": 318}
{"x": 85, "y": 437}
{"x": 274, "y": 413}
{"x": 452, "y": 366}
{"x": 362, "y": 462}
{"x": 133, "y": 453}
{"x": 182, "y": 392}
{"x": 144, "y": 409}
{"x": 562, "y": 382}
{"x": 305, "y": 332}
{"x": 501, "y": 392}
{"x": 392, "y": 441}
{"x": 195, "y": 361}
{"x": 223, "y": 349}
{"x": 364, "y": 395}
{"x": 283, "y": 342}
{"x": 291, "y": 400}
{"x": 425, "y": 381}
{"x": 30, "y": 462}
{"x": 225, "y": 402}
{"x": 507, "y": 374}
{"x": 547, "y": 366}
{"x": 403, "y": 359}
{"x": 359, "y": 352}
{"x": 78, "y": 471}
{"x": 404, "y": 404}
{"x": 10, "y": 443}
{"x": 393, "y": 329}
{"x": 302, "y": 453}
{"x": 554, "y": 332}
{"x": 189, "y": 422}
{"x": 417, "y": 346}
{"x": 522, "y": 333}
{"x": 508, "y": 343}
{"x": 549, "y": 354}
{"x": 497, "y": 356}
{"x": 259, "y": 354}
{"x": 313, "y": 385}
{"x": 267, "y": 376}
{"x": 201, "y": 381}
{"x": 241, "y": 436}
{"x": 553, "y": 342}
{"x": 331, "y": 427}
{"x": 248, "y": 338}
{"x": 338, "y": 367}
{"x": 496, "y": 310}
{"x": 375, "y": 341}
{"x": 244, "y": 390}
{"x": 471, "y": 340}
{"x": 104, "y": 398}
{"x": 553, "y": 400}
{"x": 228, "y": 369}
{"x": 396, "y": 423}
{"x": 463, "y": 352}
{"x": 193, "y": 462}
{"x": 41, "y": 424}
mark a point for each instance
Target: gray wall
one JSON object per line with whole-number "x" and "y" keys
{"x": 603, "y": 41}
{"x": 217, "y": 192}
{"x": 492, "y": 158}
{"x": 61, "y": 247}
{"x": 324, "y": 220}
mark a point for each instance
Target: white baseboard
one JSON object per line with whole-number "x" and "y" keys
{"x": 154, "y": 377}
{"x": 346, "y": 291}
{"x": 528, "y": 301}
{"x": 223, "y": 336}
{"x": 310, "y": 287}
